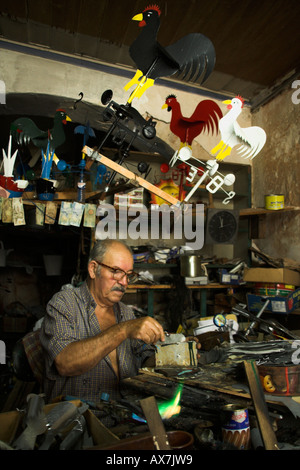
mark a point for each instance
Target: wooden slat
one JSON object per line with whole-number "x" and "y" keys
{"x": 155, "y": 423}
{"x": 169, "y": 286}
{"x": 260, "y": 211}
{"x": 130, "y": 175}
{"x": 261, "y": 409}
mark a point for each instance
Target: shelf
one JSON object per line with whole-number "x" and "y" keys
{"x": 261, "y": 211}
{"x": 155, "y": 265}
{"x": 150, "y": 289}
{"x": 59, "y": 196}
{"x": 170, "y": 286}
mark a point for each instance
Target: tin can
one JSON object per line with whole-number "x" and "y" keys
{"x": 235, "y": 427}
{"x": 274, "y": 202}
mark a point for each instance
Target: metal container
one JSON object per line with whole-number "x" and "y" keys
{"x": 191, "y": 266}
{"x": 236, "y": 428}
{"x": 274, "y": 202}
{"x": 279, "y": 379}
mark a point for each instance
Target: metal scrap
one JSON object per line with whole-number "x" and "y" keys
{"x": 63, "y": 419}
{"x": 35, "y": 422}
{"x": 176, "y": 354}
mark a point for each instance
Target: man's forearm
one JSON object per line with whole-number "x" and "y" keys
{"x": 80, "y": 356}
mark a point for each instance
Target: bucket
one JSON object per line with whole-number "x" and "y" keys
{"x": 274, "y": 202}
{"x": 53, "y": 264}
{"x": 192, "y": 266}
{"x": 281, "y": 380}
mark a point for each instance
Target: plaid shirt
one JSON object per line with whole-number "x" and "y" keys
{"x": 71, "y": 317}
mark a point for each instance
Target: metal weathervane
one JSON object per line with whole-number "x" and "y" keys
{"x": 217, "y": 181}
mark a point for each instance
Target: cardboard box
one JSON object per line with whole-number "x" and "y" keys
{"x": 280, "y": 275}
{"x": 11, "y": 426}
{"x": 277, "y": 304}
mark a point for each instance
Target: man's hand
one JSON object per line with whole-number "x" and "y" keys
{"x": 146, "y": 328}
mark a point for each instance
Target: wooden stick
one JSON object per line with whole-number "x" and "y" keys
{"x": 261, "y": 409}
{"x": 130, "y": 175}
{"x": 155, "y": 423}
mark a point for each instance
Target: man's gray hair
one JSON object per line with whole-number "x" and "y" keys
{"x": 100, "y": 248}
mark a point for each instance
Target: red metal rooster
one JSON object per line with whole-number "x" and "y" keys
{"x": 205, "y": 117}
{"x": 192, "y": 57}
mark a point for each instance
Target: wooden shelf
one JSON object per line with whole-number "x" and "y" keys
{"x": 150, "y": 290}
{"x": 170, "y": 286}
{"x": 261, "y": 211}
{"x": 155, "y": 265}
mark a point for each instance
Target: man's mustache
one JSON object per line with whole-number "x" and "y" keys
{"x": 118, "y": 288}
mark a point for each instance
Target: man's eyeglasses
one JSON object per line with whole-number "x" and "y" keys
{"x": 118, "y": 273}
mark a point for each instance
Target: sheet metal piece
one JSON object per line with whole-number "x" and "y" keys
{"x": 172, "y": 338}
{"x": 176, "y": 354}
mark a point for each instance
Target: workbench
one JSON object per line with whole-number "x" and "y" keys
{"x": 207, "y": 389}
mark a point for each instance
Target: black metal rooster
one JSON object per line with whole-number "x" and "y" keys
{"x": 192, "y": 58}
{"x": 25, "y": 130}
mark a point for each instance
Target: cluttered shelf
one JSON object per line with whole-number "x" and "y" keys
{"x": 29, "y": 198}
{"x": 150, "y": 290}
{"x": 133, "y": 287}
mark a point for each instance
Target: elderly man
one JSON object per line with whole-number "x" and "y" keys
{"x": 91, "y": 339}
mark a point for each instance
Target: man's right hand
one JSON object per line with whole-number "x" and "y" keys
{"x": 146, "y": 328}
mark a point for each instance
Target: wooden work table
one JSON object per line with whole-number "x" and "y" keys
{"x": 206, "y": 388}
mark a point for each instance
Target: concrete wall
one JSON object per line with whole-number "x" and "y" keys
{"x": 278, "y": 172}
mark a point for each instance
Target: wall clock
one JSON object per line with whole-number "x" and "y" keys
{"x": 221, "y": 226}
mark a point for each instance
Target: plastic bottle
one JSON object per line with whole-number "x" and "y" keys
{"x": 81, "y": 182}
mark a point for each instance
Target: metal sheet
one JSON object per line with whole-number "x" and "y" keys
{"x": 178, "y": 354}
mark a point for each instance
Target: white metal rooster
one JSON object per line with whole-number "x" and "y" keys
{"x": 250, "y": 139}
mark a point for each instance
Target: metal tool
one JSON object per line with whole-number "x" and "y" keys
{"x": 269, "y": 326}
{"x": 73, "y": 437}
{"x": 251, "y": 326}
